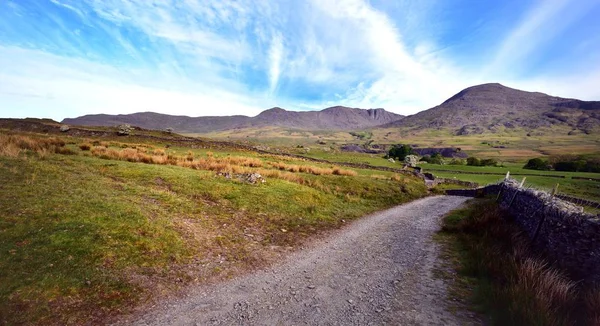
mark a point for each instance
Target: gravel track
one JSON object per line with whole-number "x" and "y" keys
{"x": 375, "y": 271}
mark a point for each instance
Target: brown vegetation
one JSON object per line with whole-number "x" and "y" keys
{"x": 13, "y": 145}
{"x": 85, "y": 146}
{"x": 515, "y": 284}
{"x": 311, "y": 169}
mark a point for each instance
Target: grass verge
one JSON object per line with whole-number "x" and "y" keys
{"x": 502, "y": 277}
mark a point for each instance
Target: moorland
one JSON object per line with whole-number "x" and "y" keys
{"x": 105, "y": 213}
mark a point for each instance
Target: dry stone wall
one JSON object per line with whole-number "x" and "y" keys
{"x": 563, "y": 232}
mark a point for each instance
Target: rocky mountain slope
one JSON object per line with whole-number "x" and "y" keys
{"x": 333, "y": 118}
{"x": 490, "y": 108}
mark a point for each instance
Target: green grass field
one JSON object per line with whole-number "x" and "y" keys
{"x": 89, "y": 235}
{"x": 484, "y": 175}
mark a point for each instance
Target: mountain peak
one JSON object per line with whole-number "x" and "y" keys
{"x": 494, "y": 108}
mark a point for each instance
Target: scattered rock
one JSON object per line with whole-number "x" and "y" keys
{"x": 124, "y": 130}
{"x": 64, "y": 128}
{"x": 252, "y": 178}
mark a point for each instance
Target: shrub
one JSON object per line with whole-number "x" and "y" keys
{"x": 473, "y": 161}
{"x": 570, "y": 166}
{"x": 489, "y": 162}
{"x": 457, "y": 161}
{"x": 537, "y": 164}
{"x": 436, "y": 158}
{"x": 399, "y": 152}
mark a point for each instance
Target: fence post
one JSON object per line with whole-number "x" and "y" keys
{"x": 502, "y": 186}
{"x": 516, "y": 193}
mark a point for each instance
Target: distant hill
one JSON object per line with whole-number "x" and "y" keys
{"x": 333, "y": 118}
{"x": 490, "y": 108}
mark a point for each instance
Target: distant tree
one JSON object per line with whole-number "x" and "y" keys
{"x": 436, "y": 158}
{"x": 571, "y": 166}
{"x": 399, "y": 152}
{"x": 488, "y": 162}
{"x": 473, "y": 161}
{"x": 537, "y": 164}
{"x": 457, "y": 161}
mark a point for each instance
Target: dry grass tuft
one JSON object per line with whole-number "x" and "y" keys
{"x": 14, "y": 145}
{"x": 9, "y": 149}
{"x": 311, "y": 169}
{"x": 158, "y": 152}
{"x": 396, "y": 177}
{"x": 64, "y": 151}
{"x": 340, "y": 171}
{"x": 520, "y": 287}
{"x": 85, "y": 146}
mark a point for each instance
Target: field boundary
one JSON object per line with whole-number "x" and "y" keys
{"x": 561, "y": 230}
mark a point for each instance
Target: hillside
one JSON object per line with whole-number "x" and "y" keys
{"x": 491, "y": 108}
{"x": 333, "y": 118}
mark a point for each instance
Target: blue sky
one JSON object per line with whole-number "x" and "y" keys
{"x": 65, "y": 58}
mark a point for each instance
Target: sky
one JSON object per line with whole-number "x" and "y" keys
{"x": 67, "y": 58}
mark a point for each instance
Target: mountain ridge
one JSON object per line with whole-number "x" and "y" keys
{"x": 494, "y": 107}
{"x": 332, "y": 118}
{"x": 485, "y": 108}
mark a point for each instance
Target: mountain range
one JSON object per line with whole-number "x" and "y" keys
{"x": 333, "y": 118}
{"x": 487, "y": 108}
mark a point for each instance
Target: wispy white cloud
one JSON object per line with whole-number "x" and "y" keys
{"x": 275, "y": 57}
{"x": 538, "y": 27}
{"x": 212, "y": 57}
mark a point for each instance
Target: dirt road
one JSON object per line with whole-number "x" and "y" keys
{"x": 376, "y": 271}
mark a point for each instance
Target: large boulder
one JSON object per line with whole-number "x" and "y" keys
{"x": 411, "y": 160}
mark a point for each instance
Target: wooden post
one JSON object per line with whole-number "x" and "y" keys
{"x": 516, "y": 193}
{"x": 502, "y": 186}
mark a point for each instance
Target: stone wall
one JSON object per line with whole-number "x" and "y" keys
{"x": 566, "y": 235}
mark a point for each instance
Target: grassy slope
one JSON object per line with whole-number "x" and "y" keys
{"x": 86, "y": 237}
{"x": 518, "y": 146}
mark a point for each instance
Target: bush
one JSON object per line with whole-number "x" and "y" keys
{"x": 489, "y": 162}
{"x": 85, "y": 147}
{"x": 574, "y": 163}
{"x": 570, "y": 166}
{"x": 457, "y": 161}
{"x": 537, "y": 164}
{"x": 473, "y": 161}
{"x": 399, "y": 152}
